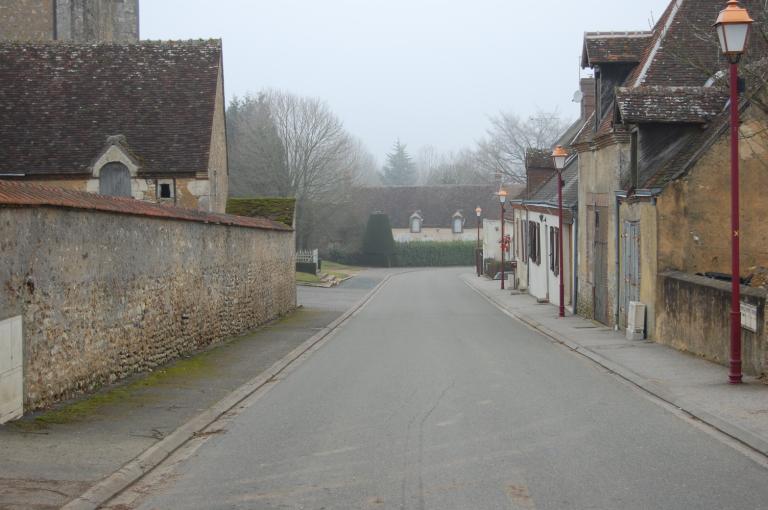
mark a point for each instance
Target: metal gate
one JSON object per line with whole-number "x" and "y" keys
{"x": 630, "y": 267}
{"x": 600, "y": 269}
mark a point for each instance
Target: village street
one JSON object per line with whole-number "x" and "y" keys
{"x": 430, "y": 397}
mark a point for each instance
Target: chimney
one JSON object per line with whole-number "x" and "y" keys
{"x": 587, "y": 87}
{"x": 539, "y": 168}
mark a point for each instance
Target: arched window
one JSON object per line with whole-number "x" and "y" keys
{"x": 115, "y": 180}
{"x": 415, "y": 225}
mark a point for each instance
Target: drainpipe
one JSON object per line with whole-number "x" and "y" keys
{"x": 618, "y": 268}
{"x": 575, "y": 249}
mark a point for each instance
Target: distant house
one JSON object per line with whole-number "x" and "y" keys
{"x": 433, "y": 213}
{"x": 142, "y": 120}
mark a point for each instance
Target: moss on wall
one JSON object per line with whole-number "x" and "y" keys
{"x": 277, "y": 209}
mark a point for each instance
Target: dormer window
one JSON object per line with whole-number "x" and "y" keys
{"x": 457, "y": 223}
{"x": 416, "y": 221}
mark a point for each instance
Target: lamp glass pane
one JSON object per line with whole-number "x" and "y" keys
{"x": 559, "y": 162}
{"x": 721, "y": 37}
{"x": 736, "y": 36}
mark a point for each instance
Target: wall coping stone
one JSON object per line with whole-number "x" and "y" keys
{"x": 715, "y": 284}
{"x": 22, "y": 194}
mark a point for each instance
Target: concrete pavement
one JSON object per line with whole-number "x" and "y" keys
{"x": 51, "y": 457}
{"x": 692, "y": 384}
{"x": 429, "y": 397}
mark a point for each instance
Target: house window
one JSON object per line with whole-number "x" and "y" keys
{"x": 115, "y": 180}
{"x": 633, "y": 157}
{"x": 458, "y": 225}
{"x": 415, "y": 225}
{"x": 554, "y": 255}
{"x": 165, "y": 190}
{"x": 534, "y": 234}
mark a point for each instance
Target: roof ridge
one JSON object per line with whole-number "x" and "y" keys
{"x": 671, "y": 13}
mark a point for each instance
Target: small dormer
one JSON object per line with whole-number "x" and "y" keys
{"x": 115, "y": 167}
{"x": 415, "y": 221}
{"x": 457, "y": 222}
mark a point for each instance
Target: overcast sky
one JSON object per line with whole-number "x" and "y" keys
{"x": 430, "y": 72}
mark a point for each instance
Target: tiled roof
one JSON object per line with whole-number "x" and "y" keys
{"x": 59, "y": 103}
{"x": 684, "y": 50}
{"x": 547, "y": 193}
{"x": 669, "y": 104}
{"x": 15, "y": 194}
{"x": 691, "y": 148}
{"x": 613, "y": 47}
{"x": 436, "y": 203}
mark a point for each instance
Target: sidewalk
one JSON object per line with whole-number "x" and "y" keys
{"x": 692, "y": 384}
{"x": 50, "y": 458}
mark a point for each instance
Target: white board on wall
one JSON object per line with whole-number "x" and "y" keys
{"x": 11, "y": 370}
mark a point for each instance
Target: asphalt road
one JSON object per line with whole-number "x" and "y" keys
{"x": 431, "y": 398}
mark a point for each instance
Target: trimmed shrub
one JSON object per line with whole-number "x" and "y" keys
{"x": 435, "y": 254}
{"x": 378, "y": 243}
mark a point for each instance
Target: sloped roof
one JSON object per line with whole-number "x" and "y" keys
{"x": 661, "y": 104}
{"x": 15, "y": 193}
{"x": 437, "y": 204}
{"x": 613, "y": 47}
{"x": 59, "y": 103}
{"x": 684, "y": 49}
{"x": 547, "y": 193}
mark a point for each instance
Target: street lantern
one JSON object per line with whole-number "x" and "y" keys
{"x": 732, "y": 27}
{"x": 502, "y": 200}
{"x": 478, "y": 252}
{"x": 559, "y": 156}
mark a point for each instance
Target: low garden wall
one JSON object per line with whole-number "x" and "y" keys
{"x": 693, "y": 315}
{"x": 104, "y": 295}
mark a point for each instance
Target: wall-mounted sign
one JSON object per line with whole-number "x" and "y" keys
{"x": 749, "y": 317}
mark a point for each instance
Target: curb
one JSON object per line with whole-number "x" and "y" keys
{"x": 133, "y": 470}
{"x": 747, "y": 438}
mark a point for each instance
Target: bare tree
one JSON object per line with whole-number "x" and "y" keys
{"x": 460, "y": 167}
{"x": 502, "y": 151}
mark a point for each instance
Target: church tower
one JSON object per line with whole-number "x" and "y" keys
{"x": 82, "y": 21}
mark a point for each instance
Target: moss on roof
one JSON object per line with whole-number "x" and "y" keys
{"x": 277, "y": 209}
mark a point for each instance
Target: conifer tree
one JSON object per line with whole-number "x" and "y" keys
{"x": 399, "y": 169}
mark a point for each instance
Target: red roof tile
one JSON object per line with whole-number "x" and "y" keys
{"x": 695, "y": 105}
{"x": 15, "y": 193}
{"x": 613, "y": 47}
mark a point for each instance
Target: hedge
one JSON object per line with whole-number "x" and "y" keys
{"x": 434, "y": 254}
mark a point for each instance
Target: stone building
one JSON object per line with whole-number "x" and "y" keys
{"x": 83, "y": 21}
{"x": 145, "y": 120}
{"x": 654, "y": 192}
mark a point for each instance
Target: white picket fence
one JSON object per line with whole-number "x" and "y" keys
{"x": 307, "y": 256}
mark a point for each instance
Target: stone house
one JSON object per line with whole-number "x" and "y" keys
{"x": 145, "y": 120}
{"x": 654, "y": 193}
{"x": 70, "y": 20}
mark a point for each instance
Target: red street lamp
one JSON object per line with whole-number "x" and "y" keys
{"x": 478, "y": 258}
{"x": 559, "y": 155}
{"x": 502, "y": 199}
{"x": 732, "y": 26}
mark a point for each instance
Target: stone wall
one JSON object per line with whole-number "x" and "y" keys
{"x": 692, "y": 314}
{"x": 26, "y": 20}
{"x": 694, "y": 211}
{"x": 104, "y": 295}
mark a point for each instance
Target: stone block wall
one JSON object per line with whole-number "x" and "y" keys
{"x": 104, "y": 295}
{"x": 692, "y": 315}
{"x": 27, "y": 20}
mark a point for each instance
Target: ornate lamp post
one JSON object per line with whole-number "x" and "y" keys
{"x": 502, "y": 200}
{"x": 478, "y": 258}
{"x": 559, "y": 155}
{"x": 733, "y": 30}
